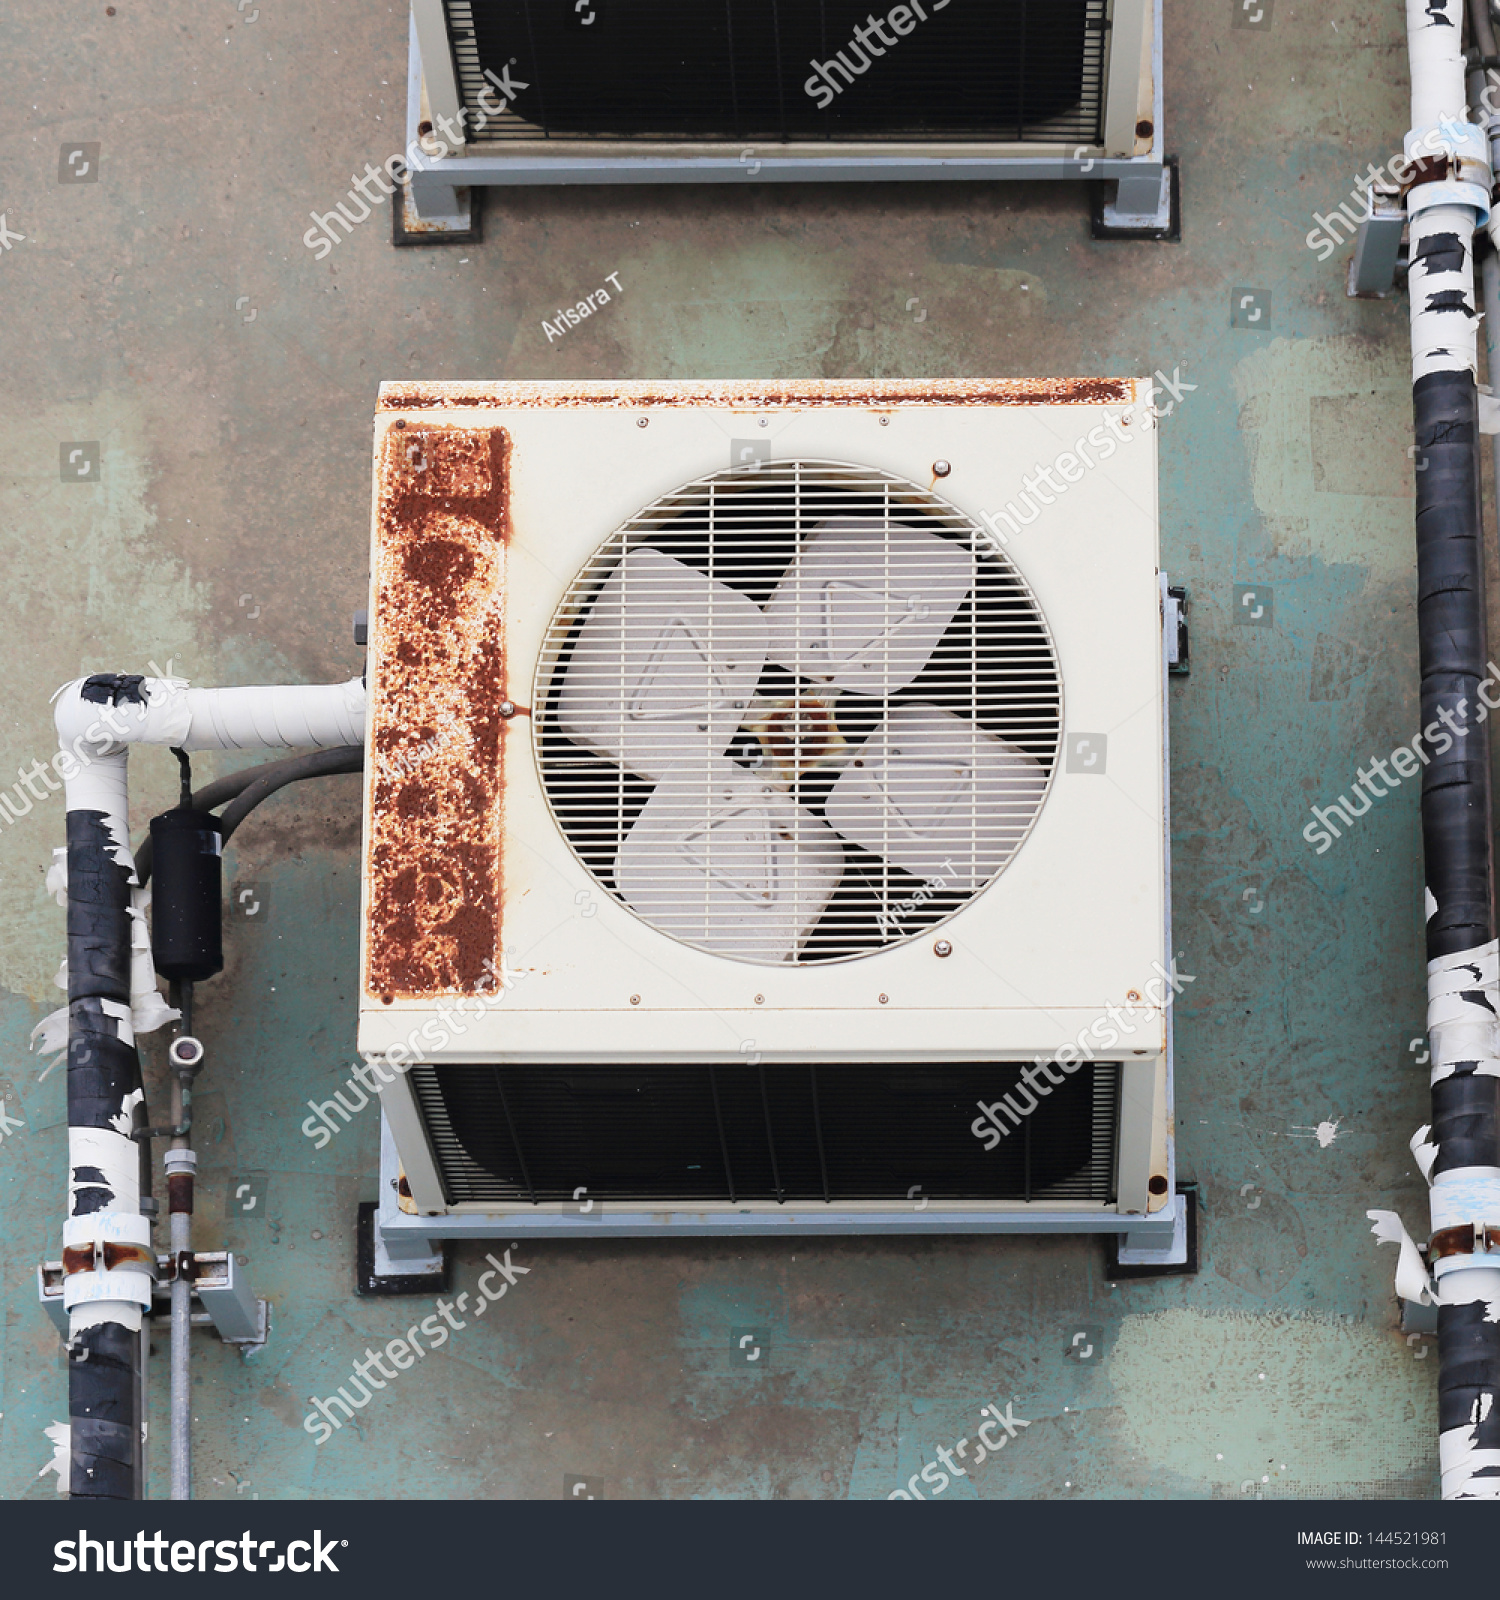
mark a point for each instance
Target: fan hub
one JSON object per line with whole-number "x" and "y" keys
{"x": 799, "y": 733}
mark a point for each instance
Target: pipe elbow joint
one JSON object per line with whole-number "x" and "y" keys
{"x": 109, "y": 710}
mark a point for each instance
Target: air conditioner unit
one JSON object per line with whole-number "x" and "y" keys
{"x": 650, "y": 91}
{"x": 747, "y": 805}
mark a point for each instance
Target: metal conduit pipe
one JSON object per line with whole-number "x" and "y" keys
{"x": 108, "y": 1260}
{"x": 244, "y": 791}
{"x": 181, "y": 1164}
{"x": 1460, "y": 1152}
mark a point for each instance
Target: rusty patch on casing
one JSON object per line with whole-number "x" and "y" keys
{"x": 763, "y": 395}
{"x": 436, "y": 777}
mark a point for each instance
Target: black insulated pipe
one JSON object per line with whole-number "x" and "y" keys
{"x": 104, "y": 1406}
{"x": 254, "y": 784}
{"x": 98, "y": 912}
{"x": 1451, "y": 635}
{"x": 277, "y": 774}
{"x": 1456, "y": 831}
{"x": 104, "y": 1361}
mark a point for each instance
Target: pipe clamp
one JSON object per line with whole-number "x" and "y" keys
{"x": 107, "y": 1255}
{"x": 1450, "y": 166}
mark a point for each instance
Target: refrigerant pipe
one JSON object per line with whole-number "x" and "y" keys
{"x": 1448, "y": 197}
{"x": 108, "y": 1260}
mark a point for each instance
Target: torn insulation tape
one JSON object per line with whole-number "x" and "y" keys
{"x": 1423, "y": 1150}
{"x": 1463, "y": 1011}
{"x": 1412, "y": 1281}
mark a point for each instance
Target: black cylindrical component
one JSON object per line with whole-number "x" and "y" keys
{"x": 187, "y": 856}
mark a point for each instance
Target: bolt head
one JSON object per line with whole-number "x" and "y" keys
{"x": 942, "y": 948}
{"x": 941, "y": 469}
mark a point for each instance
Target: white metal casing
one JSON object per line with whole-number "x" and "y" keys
{"x": 1073, "y": 924}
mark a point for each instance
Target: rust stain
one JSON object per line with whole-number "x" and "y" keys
{"x": 80, "y": 1258}
{"x": 1467, "y": 1239}
{"x": 124, "y": 1255}
{"x": 436, "y": 797}
{"x": 801, "y": 393}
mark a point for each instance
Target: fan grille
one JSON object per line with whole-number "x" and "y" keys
{"x": 795, "y": 819}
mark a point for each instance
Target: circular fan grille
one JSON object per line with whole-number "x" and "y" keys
{"x": 798, "y": 712}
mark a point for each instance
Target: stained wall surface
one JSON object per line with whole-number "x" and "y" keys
{"x": 166, "y": 315}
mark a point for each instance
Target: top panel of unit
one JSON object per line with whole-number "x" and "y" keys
{"x": 767, "y": 394}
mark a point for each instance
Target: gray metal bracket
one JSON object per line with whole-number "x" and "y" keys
{"x": 1145, "y": 205}
{"x": 1175, "y": 627}
{"x": 1377, "y": 257}
{"x": 447, "y": 215}
{"x": 1418, "y": 1319}
{"x": 221, "y": 1294}
{"x": 429, "y": 207}
{"x": 1136, "y": 1255}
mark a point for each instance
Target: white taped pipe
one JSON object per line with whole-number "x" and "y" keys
{"x": 97, "y": 737}
{"x": 1435, "y": 47}
{"x": 1447, "y": 199}
{"x": 296, "y": 716}
{"x": 1444, "y": 317}
{"x": 1463, "y": 1011}
{"x": 97, "y": 720}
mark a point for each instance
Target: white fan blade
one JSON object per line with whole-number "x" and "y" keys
{"x": 721, "y": 859}
{"x": 865, "y": 602}
{"x": 664, "y": 665}
{"x": 938, "y": 796}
